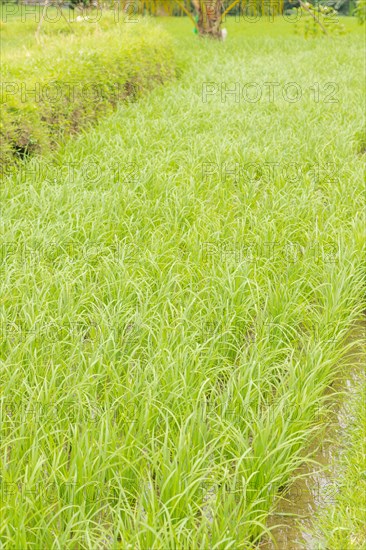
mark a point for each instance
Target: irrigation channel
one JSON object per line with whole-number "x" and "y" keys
{"x": 313, "y": 488}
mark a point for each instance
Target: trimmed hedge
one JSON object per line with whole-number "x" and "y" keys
{"x": 57, "y": 91}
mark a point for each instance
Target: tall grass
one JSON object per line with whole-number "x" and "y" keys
{"x": 62, "y": 86}
{"x": 163, "y": 367}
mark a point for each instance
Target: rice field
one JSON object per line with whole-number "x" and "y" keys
{"x": 178, "y": 283}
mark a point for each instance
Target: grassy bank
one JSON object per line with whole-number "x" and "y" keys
{"x": 177, "y": 286}
{"x": 53, "y": 90}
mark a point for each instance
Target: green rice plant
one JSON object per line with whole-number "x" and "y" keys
{"x": 171, "y": 326}
{"x": 341, "y": 523}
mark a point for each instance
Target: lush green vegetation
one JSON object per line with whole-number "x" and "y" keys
{"x": 360, "y": 10}
{"x": 63, "y": 85}
{"x": 342, "y": 524}
{"x": 177, "y": 288}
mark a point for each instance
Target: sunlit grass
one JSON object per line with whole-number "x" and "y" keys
{"x": 168, "y": 337}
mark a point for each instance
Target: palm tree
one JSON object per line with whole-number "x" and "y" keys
{"x": 206, "y": 15}
{"x": 209, "y": 17}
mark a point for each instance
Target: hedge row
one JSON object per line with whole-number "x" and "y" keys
{"x": 69, "y": 83}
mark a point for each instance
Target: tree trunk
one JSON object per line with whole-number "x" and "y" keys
{"x": 209, "y": 17}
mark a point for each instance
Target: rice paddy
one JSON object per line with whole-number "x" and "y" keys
{"x": 178, "y": 283}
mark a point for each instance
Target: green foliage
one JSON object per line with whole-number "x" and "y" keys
{"x": 360, "y": 139}
{"x": 318, "y": 20}
{"x": 342, "y": 524}
{"x": 145, "y": 402}
{"x": 68, "y": 83}
{"x": 344, "y": 7}
{"x": 360, "y": 10}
